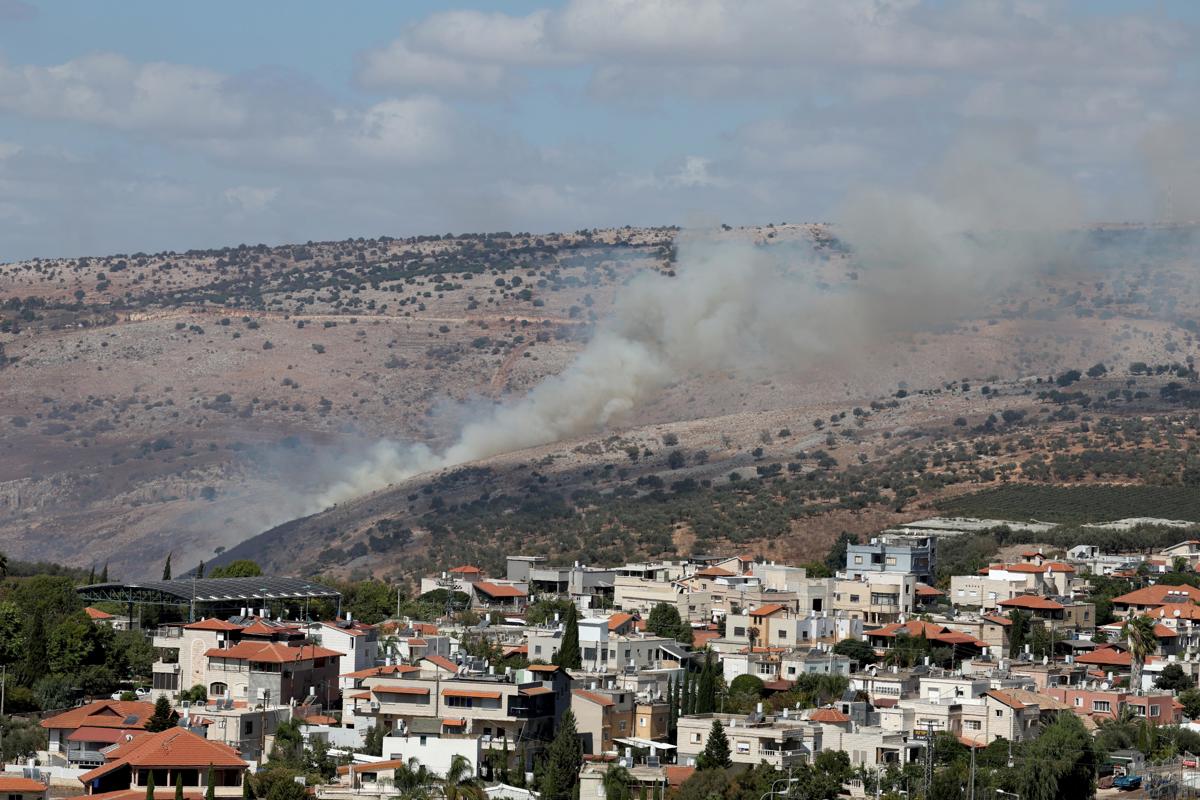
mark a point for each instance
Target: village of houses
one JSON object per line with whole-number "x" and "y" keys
{"x": 638, "y": 698}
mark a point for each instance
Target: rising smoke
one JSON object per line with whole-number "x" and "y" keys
{"x": 991, "y": 218}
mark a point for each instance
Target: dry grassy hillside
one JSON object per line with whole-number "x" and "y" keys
{"x": 183, "y": 402}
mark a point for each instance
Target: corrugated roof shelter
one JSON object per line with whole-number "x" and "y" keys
{"x": 209, "y": 594}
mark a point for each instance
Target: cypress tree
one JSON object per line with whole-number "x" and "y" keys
{"x": 150, "y": 785}
{"x": 563, "y": 759}
{"x": 167, "y": 569}
{"x": 104, "y": 573}
{"x": 504, "y": 762}
{"x": 91, "y": 575}
{"x": 569, "y": 655}
{"x": 247, "y": 789}
{"x": 178, "y": 786}
{"x": 716, "y": 750}
{"x": 706, "y": 690}
{"x": 688, "y": 700}
{"x": 672, "y": 708}
{"x": 200, "y": 571}
{"x": 210, "y": 792}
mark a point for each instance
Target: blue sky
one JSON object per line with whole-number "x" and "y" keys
{"x": 139, "y": 125}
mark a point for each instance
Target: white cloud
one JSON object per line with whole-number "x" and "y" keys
{"x": 251, "y": 199}
{"x": 109, "y": 89}
{"x": 8, "y": 149}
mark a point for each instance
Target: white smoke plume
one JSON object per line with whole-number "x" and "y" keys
{"x": 924, "y": 258}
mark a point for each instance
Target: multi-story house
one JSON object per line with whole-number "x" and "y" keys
{"x": 78, "y": 736}
{"x": 903, "y": 555}
{"x": 780, "y": 741}
{"x": 518, "y": 705}
{"x": 359, "y": 642}
{"x": 602, "y": 651}
{"x": 602, "y": 716}
{"x": 875, "y": 598}
{"x": 1057, "y": 615}
{"x": 1148, "y": 598}
{"x": 1158, "y": 708}
{"x": 174, "y": 755}
{"x": 590, "y": 587}
{"x": 273, "y": 672}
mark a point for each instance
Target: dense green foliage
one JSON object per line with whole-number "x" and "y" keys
{"x": 664, "y": 620}
{"x": 1068, "y": 505}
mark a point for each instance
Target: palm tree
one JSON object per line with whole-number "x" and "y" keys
{"x": 413, "y": 781}
{"x": 460, "y": 783}
{"x": 391, "y": 645}
{"x": 1142, "y": 641}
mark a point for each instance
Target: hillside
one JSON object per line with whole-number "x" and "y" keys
{"x": 185, "y": 402}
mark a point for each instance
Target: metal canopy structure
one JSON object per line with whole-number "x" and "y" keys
{"x": 214, "y": 592}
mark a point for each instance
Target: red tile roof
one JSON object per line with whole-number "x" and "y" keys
{"x": 1189, "y": 611}
{"x": 925, "y": 590}
{"x": 499, "y": 590}
{"x": 677, "y": 776}
{"x": 212, "y": 624}
{"x": 102, "y": 714}
{"x": 618, "y": 619}
{"x": 767, "y": 610}
{"x": 1106, "y": 656}
{"x": 932, "y": 631}
{"x": 466, "y": 569}
{"x": 441, "y": 662}
{"x": 1051, "y": 566}
{"x": 376, "y": 672}
{"x": 96, "y": 615}
{"x": 1158, "y": 595}
{"x": 828, "y": 715}
{"x": 372, "y": 767}
{"x": 1007, "y": 699}
{"x": 713, "y": 572}
{"x": 1033, "y": 602}
{"x": 997, "y": 619}
{"x": 544, "y": 668}
{"x": 593, "y": 698}
{"x": 272, "y": 652}
{"x": 89, "y": 733}
{"x": 175, "y": 747}
{"x": 18, "y": 785}
{"x": 406, "y": 690}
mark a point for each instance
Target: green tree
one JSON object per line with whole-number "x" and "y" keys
{"x": 163, "y": 718}
{"x": 1061, "y": 763}
{"x": 664, "y": 620}
{"x": 1018, "y": 631}
{"x": 616, "y": 783}
{"x": 706, "y": 687}
{"x": 52, "y": 692}
{"x": 166, "y": 574}
{"x": 704, "y": 784}
{"x": 373, "y": 741}
{"x": 744, "y": 692}
{"x": 178, "y": 786}
{"x": 1190, "y": 700}
{"x": 569, "y": 655}
{"x": 836, "y": 560}
{"x": 210, "y": 784}
{"x": 1142, "y": 641}
{"x": 716, "y": 753}
{"x": 856, "y": 650}
{"x": 150, "y": 785}
{"x": 561, "y": 772}
{"x": 242, "y": 568}
{"x": 12, "y": 642}
{"x": 1174, "y": 679}
{"x": 104, "y": 573}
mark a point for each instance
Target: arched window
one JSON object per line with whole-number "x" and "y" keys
{"x": 218, "y": 690}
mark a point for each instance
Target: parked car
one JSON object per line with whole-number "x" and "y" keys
{"x": 141, "y": 692}
{"x": 1128, "y": 783}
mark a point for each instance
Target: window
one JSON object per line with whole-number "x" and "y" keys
{"x": 622, "y": 726}
{"x": 891, "y": 561}
{"x": 537, "y": 649}
{"x": 1078, "y": 702}
{"x": 218, "y": 690}
{"x": 972, "y": 724}
{"x": 781, "y": 634}
{"x": 248, "y": 727}
{"x": 739, "y": 631}
{"x": 695, "y": 738}
{"x": 858, "y": 559}
{"x": 641, "y": 722}
{"x": 743, "y": 747}
{"x": 854, "y": 598}
{"x": 1101, "y": 705}
{"x": 1154, "y": 711}
{"x": 999, "y": 712}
